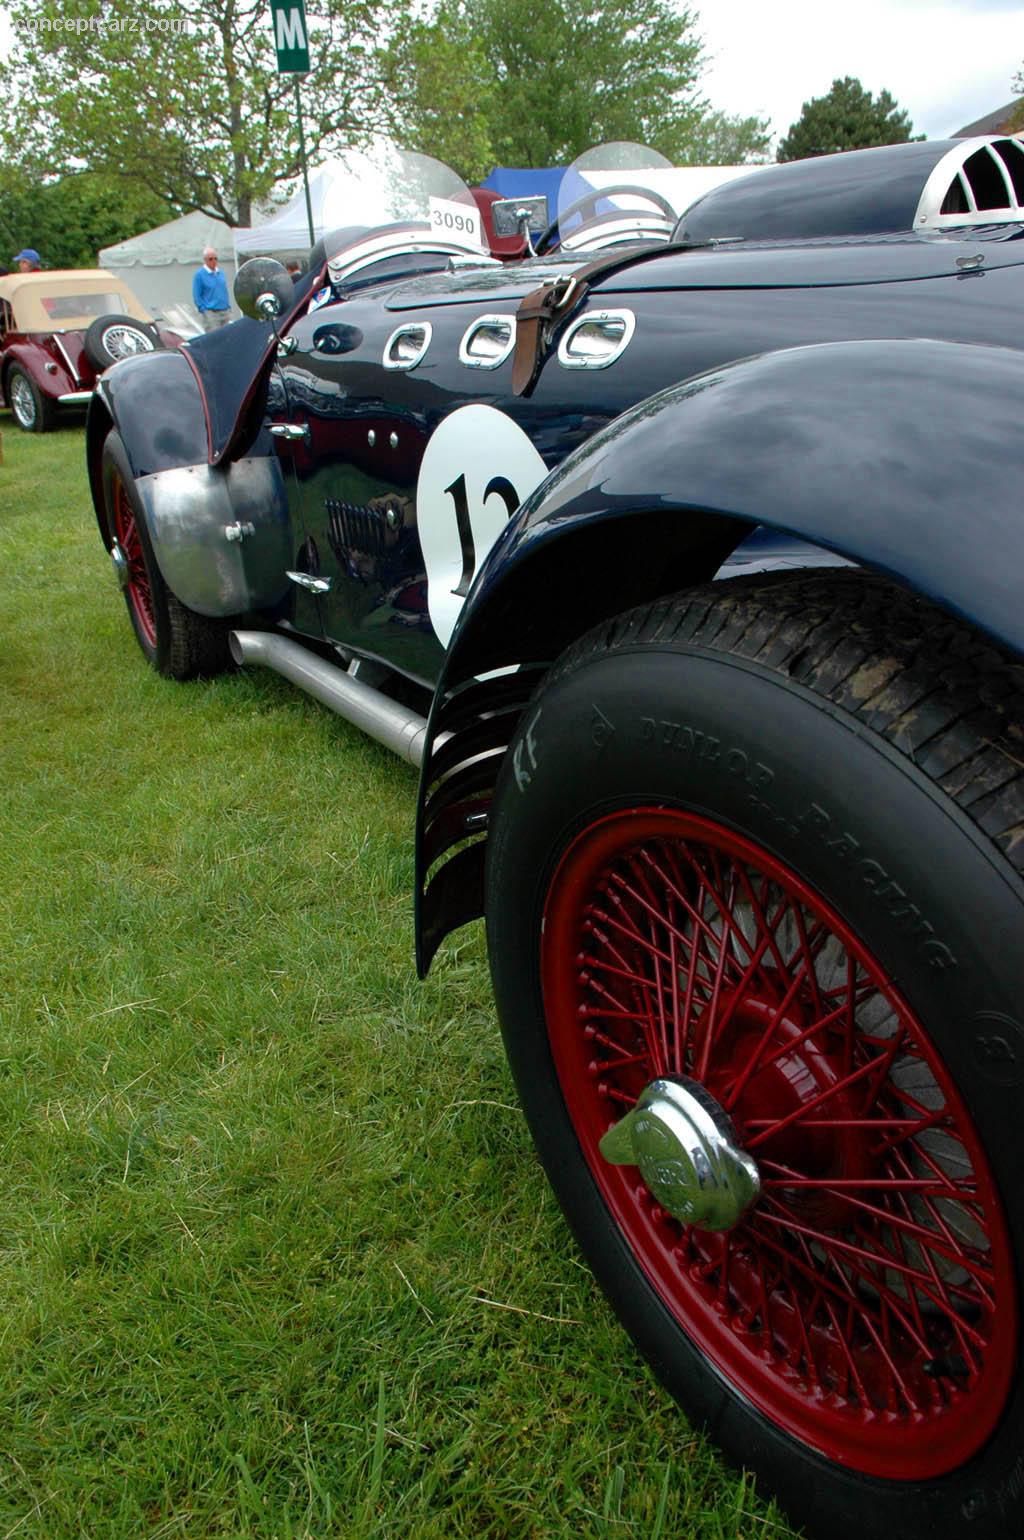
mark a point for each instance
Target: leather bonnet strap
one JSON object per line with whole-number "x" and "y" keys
{"x": 544, "y": 309}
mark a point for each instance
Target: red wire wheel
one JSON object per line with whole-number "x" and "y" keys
{"x": 866, "y": 1304}
{"x": 138, "y": 589}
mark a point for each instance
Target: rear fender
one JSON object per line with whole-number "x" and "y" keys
{"x": 893, "y": 455}
{"x": 220, "y": 534}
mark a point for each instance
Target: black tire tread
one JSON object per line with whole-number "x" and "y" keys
{"x": 198, "y": 645}
{"x": 188, "y": 645}
{"x": 942, "y": 694}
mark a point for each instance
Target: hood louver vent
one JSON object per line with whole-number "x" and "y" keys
{"x": 974, "y": 185}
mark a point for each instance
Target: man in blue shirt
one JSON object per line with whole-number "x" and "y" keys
{"x": 210, "y": 293}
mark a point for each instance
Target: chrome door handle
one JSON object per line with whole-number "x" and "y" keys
{"x": 316, "y": 585}
{"x": 290, "y": 430}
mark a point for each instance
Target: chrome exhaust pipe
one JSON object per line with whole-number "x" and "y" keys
{"x": 399, "y": 729}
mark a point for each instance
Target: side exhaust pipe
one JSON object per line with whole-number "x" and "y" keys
{"x": 399, "y": 729}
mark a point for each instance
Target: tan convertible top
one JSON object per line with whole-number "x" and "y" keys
{"x": 67, "y": 301}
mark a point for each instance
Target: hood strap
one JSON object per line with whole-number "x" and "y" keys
{"x": 543, "y": 310}
{"x": 539, "y": 313}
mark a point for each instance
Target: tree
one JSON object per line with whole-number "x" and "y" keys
{"x": 847, "y": 118}
{"x": 724, "y": 141}
{"x": 547, "y": 79}
{"x": 442, "y": 94}
{"x": 184, "y": 99}
{"x": 1015, "y": 122}
{"x": 68, "y": 220}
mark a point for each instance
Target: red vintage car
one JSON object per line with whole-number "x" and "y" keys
{"x": 58, "y": 332}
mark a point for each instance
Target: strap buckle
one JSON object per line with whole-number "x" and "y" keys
{"x": 560, "y": 292}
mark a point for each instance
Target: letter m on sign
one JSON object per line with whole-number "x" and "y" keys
{"x": 290, "y": 36}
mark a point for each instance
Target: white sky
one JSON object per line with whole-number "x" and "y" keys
{"x": 945, "y": 61}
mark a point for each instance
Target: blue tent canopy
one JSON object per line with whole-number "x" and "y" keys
{"x": 521, "y": 182}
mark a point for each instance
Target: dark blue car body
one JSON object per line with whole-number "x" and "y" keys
{"x": 811, "y": 380}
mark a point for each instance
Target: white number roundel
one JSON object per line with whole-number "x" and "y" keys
{"x": 478, "y": 467}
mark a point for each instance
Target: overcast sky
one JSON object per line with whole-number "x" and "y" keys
{"x": 946, "y": 61}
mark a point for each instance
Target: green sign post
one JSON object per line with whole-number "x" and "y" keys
{"x": 291, "y": 40}
{"x": 290, "y": 36}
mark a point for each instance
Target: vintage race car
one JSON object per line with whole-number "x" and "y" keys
{"x": 686, "y": 559}
{"x": 58, "y": 332}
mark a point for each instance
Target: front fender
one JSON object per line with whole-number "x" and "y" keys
{"x": 30, "y": 357}
{"x": 154, "y": 403}
{"x": 897, "y": 455}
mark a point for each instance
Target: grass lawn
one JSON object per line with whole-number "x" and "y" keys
{"x": 276, "y": 1257}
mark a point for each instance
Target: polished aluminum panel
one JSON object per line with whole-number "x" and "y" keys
{"x": 191, "y": 515}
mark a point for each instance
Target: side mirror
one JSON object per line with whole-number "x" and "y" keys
{"x": 263, "y": 290}
{"x": 516, "y": 216}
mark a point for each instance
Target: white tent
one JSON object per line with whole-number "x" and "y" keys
{"x": 680, "y": 185}
{"x": 159, "y": 265}
{"x": 353, "y": 191}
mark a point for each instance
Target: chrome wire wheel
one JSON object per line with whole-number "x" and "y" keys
{"x": 23, "y": 402}
{"x": 123, "y": 341}
{"x": 866, "y": 1304}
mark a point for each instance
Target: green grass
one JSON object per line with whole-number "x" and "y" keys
{"x": 264, "y": 1195}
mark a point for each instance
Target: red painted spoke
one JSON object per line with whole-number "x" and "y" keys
{"x": 766, "y": 927}
{"x": 882, "y": 1067}
{"x": 599, "y": 938}
{"x": 616, "y": 1095}
{"x": 652, "y": 911}
{"x": 631, "y": 935}
{"x": 753, "y": 1063}
{"x": 711, "y": 1016}
{"x": 683, "y": 1033}
{"x": 835, "y": 1123}
{"x": 933, "y": 1120}
{"x": 618, "y": 1007}
{"x": 890, "y": 1304}
{"x": 929, "y": 1261}
{"x": 661, "y": 1045}
{"x": 607, "y": 1013}
{"x": 608, "y": 1042}
{"x": 675, "y": 885}
{"x": 865, "y": 1261}
{"x": 855, "y": 1183}
{"x": 843, "y": 1291}
{"x": 810, "y": 953}
{"x": 784, "y": 1050}
{"x": 942, "y": 1245}
{"x": 979, "y": 1266}
{"x": 627, "y": 1058}
{"x": 807, "y": 1266}
{"x": 716, "y": 1030}
{"x": 590, "y": 962}
{"x": 816, "y": 1101}
{"x": 878, "y": 1334}
{"x": 138, "y": 587}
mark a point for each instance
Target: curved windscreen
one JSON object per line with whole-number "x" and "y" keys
{"x": 384, "y": 185}
{"x": 616, "y": 192}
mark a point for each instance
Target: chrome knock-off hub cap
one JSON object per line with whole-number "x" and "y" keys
{"x": 120, "y": 562}
{"x": 684, "y": 1146}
